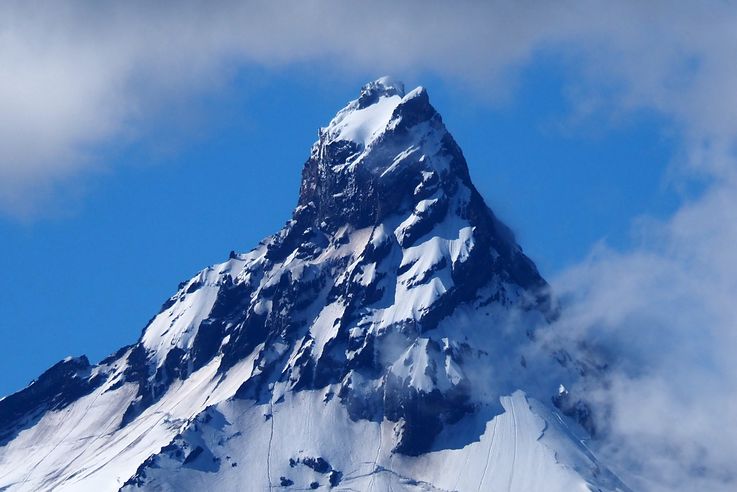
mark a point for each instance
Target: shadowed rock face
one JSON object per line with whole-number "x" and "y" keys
{"x": 358, "y": 292}
{"x": 58, "y": 387}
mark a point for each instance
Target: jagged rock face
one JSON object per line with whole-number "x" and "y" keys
{"x": 363, "y": 177}
{"x": 393, "y": 293}
{"x": 388, "y": 239}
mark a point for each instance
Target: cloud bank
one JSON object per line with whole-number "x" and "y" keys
{"x": 666, "y": 316}
{"x": 79, "y": 75}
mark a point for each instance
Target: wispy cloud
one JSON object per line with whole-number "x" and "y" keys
{"x": 77, "y": 74}
{"x": 665, "y": 314}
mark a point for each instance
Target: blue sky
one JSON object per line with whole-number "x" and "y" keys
{"x": 87, "y": 276}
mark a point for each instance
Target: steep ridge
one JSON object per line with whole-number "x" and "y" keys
{"x": 365, "y": 345}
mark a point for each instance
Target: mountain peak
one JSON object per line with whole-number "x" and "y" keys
{"x": 389, "y": 317}
{"x": 382, "y": 87}
{"x": 365, "y": 118}
{"x": 374, "y": 154}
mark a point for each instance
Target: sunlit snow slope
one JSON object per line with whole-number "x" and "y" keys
{"x": 381, "y": 340}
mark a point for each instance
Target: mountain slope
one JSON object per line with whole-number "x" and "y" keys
{"x": 366, "y": 345}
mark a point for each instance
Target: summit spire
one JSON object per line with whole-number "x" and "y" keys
{"x": 382, "y": 87}
{"x": 374, "y": 155}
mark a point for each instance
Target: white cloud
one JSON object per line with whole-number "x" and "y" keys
{"x": 77, "y": 74}
{"x": 665, "y": 312}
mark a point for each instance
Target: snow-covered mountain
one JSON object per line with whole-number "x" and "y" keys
{"x": 381, "y": 340}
